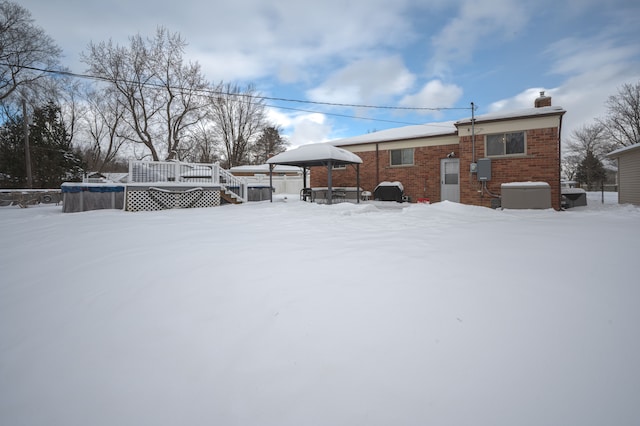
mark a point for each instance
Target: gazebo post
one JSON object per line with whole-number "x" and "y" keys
{"x": 357, "y": 183}
{"x": 304, "y": 183}
{"x": 271, "y": 166}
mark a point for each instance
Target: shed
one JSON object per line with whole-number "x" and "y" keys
{"x": 628, "y": 173}
{"x": 314, "y": 155}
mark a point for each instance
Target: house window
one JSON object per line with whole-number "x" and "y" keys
{"x": 402, "y": 157}
{"x": 506, "y": 144}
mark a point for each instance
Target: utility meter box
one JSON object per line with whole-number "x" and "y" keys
{"x": 484, "y": 169}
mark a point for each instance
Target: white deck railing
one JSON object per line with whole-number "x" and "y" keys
{"x": 234, "y": 184}
{"x": 186, "y": 174}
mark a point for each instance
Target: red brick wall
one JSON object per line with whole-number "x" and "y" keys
{"x": 540, "y": 164}
{"x": 422, "y": 180}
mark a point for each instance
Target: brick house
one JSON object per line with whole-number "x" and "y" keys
{"x": 441, "y": 161}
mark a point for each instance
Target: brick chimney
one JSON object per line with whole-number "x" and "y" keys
{"x": 542, "y": 101}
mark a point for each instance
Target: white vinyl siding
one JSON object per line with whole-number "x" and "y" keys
{"x": 629, "y": 177}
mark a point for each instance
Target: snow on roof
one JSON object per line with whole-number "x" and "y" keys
{"x": 315, "y": 154}
{"x": 443, "y": 128}
{"x": 525, "y": 184}
{"x": 573, "y": 191}
{"x": 264, "y": 168}
{"x": 623, "y": 150}
{"x": 407, "y": 132}
{"x": 527, "y": 112}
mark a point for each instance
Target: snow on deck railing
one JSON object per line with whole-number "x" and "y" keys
{"x": 183, "y": 174}
{"x": 172, "y": 171}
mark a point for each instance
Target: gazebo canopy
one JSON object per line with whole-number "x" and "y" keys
{"x": 317, "y": 154}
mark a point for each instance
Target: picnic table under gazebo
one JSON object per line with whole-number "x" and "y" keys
{"x": 318, "y": 155}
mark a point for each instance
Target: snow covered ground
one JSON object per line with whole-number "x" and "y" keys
{"x": 291, "y": 313}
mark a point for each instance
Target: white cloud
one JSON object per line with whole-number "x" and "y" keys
{"x": 476, "y": 21}
{"x": 240, "y": 38}
{"x": 293, "y": 40}
{"x": 277, "y": 117}
{"x": 522, "y": 100}
{"x": 434, "y": 94}
{"x": 302, "y": 129}
{"x": 365, "y": 81}
{"x": 593, "y": 69}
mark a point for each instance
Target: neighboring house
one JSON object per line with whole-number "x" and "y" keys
{"x": 286, "y": 179}
{"x": 465, "y": 161}
{"x": 628, "y": 173}
{"x": 97, "y": 177}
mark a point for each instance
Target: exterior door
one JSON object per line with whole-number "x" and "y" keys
{"x": 450, "y": 179}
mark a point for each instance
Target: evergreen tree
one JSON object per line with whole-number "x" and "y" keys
{"x": 268, "y": 144}
{"x": 12, "y": 163}
{"x": 590, "y": 171}
{"x": 53, "y": 159}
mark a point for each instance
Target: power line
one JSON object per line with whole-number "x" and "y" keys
{"x": 267, "y": 98}
{"x": 354, "y": 116}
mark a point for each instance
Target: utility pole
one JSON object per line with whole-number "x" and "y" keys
{"x": 27, "y": 150}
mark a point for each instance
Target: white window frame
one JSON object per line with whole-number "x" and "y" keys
{"x": 505, "y": 137}
{"x": 403, "y": 162}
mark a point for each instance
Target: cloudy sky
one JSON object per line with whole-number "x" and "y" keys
{"x": 438, "y": 55}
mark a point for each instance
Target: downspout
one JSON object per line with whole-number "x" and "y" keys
{"x": 560, "y": 163}
{"x": 377, "y": 164}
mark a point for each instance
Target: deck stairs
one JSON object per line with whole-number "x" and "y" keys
{"x": 230, "y": 196}
{"x": 232, "y": 188}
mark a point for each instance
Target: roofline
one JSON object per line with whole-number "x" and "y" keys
{"x": 620, "y": 151}
{"x": 486, "y": 118}
{"x": 479, "y": 119}
{"x": 316, "y": 162}
{"x": 395, "y": 139}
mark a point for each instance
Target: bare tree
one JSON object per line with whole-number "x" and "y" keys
{"x": 184, "y": 86}
{"x": 623, "y": 119}
{"x": 201, "y": 144}
{"x": 238, "y": 116}
{"x": 570, "y": 164}
{"x": 161, "y": 95}
{"x": 589, "y": 138}
{"x": 106, "y": 132}
{"x": 26, "y": 52}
